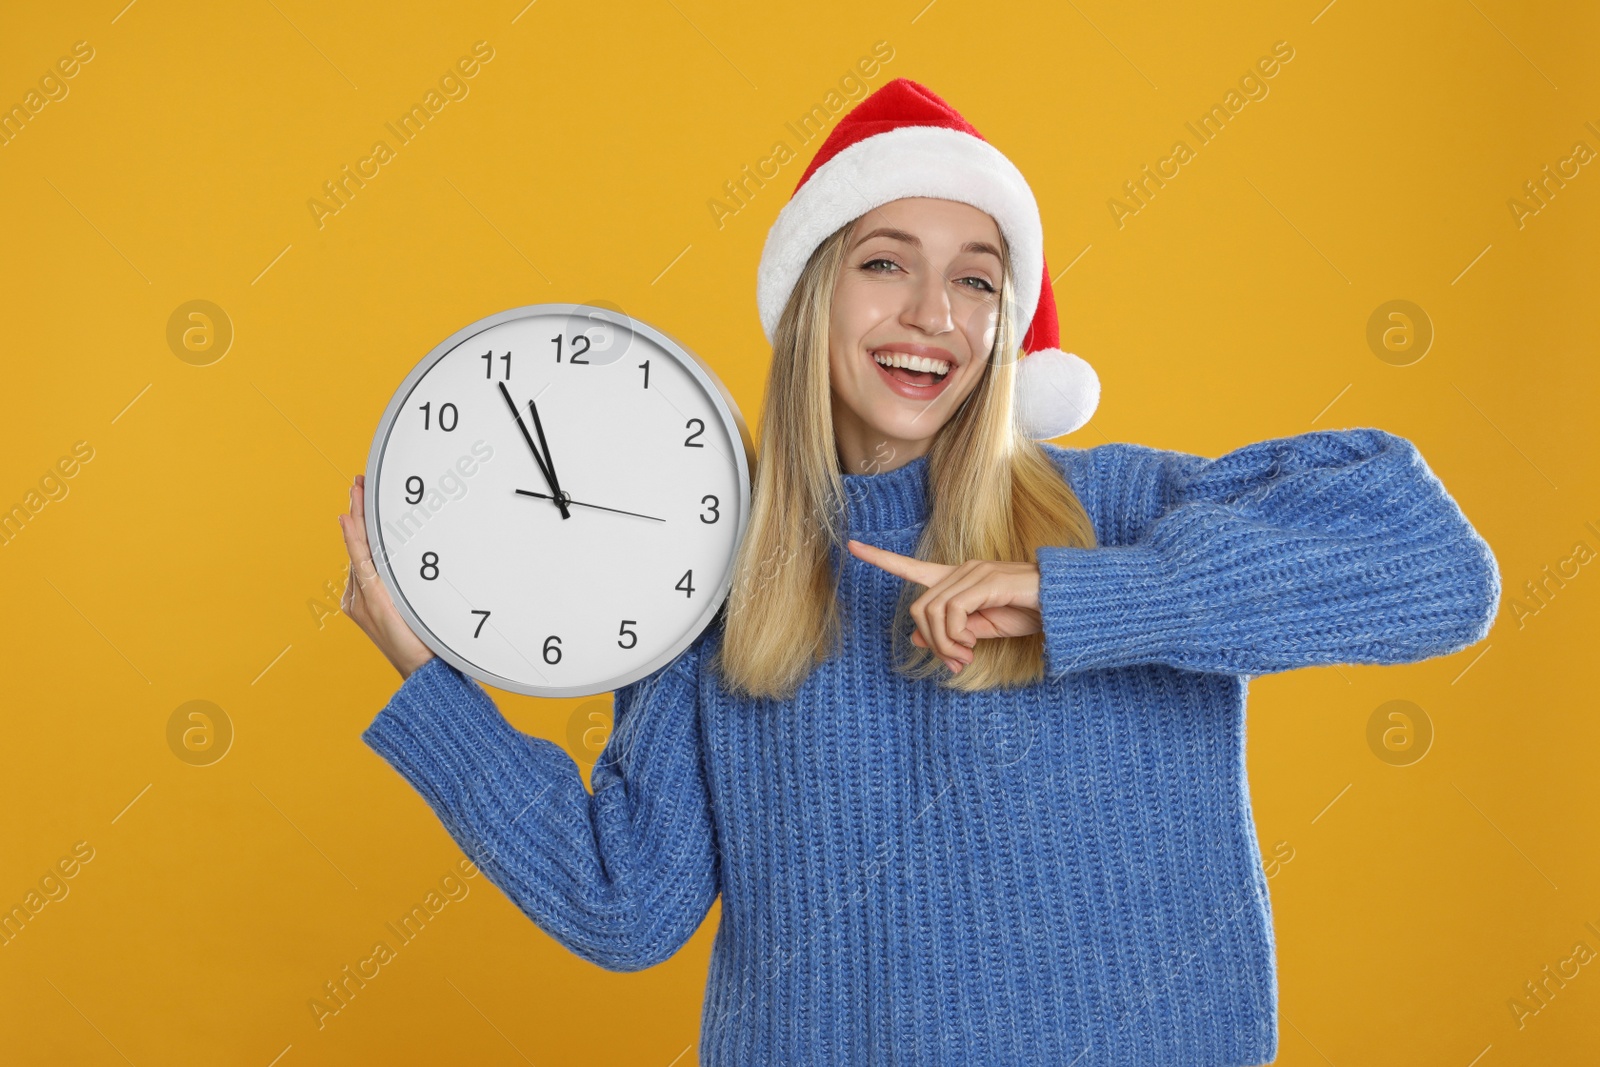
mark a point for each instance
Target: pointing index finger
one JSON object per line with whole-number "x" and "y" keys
{"x": 920, "y": 571}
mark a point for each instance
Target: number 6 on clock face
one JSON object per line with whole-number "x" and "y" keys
{"x": 554, "y": 498}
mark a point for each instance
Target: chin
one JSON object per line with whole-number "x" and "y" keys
{"x": 908, "y": 424}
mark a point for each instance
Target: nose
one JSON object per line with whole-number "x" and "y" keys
{"x": 929, "y": 307}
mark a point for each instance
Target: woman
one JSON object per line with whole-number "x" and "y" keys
{"x": 963, "y": 754}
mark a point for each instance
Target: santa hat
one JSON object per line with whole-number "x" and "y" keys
{"x": 901, "y": 141}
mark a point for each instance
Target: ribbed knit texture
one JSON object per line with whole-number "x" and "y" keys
{"x": 1063, "y": 873}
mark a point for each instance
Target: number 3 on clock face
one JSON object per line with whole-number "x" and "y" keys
{"x": 554, "y": 498}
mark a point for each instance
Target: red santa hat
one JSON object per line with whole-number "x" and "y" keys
{"x": 902, "y": 141}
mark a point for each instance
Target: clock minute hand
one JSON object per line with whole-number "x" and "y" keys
{"x": 537, "y": 458}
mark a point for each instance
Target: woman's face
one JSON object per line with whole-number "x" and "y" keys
{"x": 920, "y": 281}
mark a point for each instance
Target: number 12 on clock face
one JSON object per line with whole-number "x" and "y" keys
{"x": 555, "y": 497}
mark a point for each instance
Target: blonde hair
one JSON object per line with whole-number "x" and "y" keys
{"x": 993, "y": 494}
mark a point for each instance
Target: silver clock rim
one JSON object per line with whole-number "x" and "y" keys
{"x": 732, "y": 423}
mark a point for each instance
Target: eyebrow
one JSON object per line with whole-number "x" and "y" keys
{"x": 916, "y": 242}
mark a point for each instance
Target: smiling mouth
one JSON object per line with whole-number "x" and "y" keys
{"x": 925, "y": 375}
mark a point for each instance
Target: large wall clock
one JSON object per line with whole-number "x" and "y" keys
{"x": 554, "y": 498}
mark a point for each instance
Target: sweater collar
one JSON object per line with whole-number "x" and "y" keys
{"x": 888, "y": 500}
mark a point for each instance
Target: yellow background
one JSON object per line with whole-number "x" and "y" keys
{"x": 186, "y": 562}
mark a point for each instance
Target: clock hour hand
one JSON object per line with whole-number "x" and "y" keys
{"x": 581, "y": 504}
{"x": 549, "y": 459}
{"x": 549, "y": 476}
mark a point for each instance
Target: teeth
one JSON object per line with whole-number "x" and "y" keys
{"x": 901, "y": 359}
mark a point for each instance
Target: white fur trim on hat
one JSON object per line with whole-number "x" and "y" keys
{"x": 1056, "y": 392}
{"x": 909, "y": 161}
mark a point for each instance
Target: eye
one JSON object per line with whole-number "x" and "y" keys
{"x": 888, "y": 265}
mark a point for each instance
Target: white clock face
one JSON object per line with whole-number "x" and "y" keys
{"x": 554, "y": 499}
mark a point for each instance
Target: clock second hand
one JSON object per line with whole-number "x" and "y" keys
{"x": 537, "y": 458}
{"x": 581, "y": 504}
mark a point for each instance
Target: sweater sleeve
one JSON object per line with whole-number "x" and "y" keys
{"x": 622, "y": 877}
{"x": 1335, "y": 546}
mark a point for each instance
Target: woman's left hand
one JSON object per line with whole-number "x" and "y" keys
{"x": 980, "y": 598}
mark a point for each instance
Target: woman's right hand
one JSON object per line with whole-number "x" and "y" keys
{"x": 366, "y": 600}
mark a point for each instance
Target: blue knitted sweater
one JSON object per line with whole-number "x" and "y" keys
{"x": 1062, "y": 873}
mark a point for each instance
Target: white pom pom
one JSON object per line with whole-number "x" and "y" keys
{"x": 1056, "y": 393}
